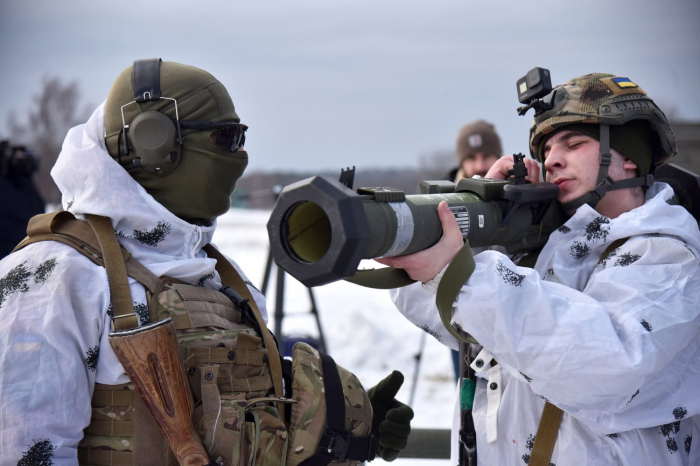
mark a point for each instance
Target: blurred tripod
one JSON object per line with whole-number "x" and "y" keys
{"x": 320, "y": 343}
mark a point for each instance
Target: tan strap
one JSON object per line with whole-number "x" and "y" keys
{"x": 101, "y": 457}
{"x": 113, "y": 398}
{"x": 546, "y": 435}
{"x": 210, "y": 390}
{"x": 124, "y": 317}
{"x": 208, "y": 355}
{"x": 110, "y": 428}
{"x": 230, "y": 277}
{"x": 551, "y": 415}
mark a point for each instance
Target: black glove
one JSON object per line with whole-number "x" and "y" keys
{"x": 391, "y": 422}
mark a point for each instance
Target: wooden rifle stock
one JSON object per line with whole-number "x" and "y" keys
{"x": 151, "y": 357}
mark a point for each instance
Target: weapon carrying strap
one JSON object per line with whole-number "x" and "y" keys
{"x": 386, "y": 278}
{"x": 230, "y": 277}
{"x": 456, "y": 275}
{"x": 551, "y": 415}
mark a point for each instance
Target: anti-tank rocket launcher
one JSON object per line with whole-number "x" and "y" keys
{"x": 320, "y": 229}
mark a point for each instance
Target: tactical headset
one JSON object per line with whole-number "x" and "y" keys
{"x": 151, "y": 135}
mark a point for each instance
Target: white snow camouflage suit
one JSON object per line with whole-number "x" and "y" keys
{"x": 54, "y": 302}
{"x": 616, "y": 346}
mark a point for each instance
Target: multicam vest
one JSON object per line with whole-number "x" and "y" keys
{"x": 228, "y": 366}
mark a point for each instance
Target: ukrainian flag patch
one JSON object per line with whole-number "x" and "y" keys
{"x": 624, "y": 83}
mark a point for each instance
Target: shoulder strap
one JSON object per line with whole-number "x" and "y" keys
{"x": 91, "y": 239}
{"x": 546, "y": 435}
{"x": 230, "y": 277}
{"x": 124, "y": 317}
{"x": 551, "y": 415}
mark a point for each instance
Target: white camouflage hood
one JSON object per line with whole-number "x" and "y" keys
{"x": 91, "y": 182}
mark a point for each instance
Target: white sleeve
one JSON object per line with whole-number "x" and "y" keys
{"x": 418, "y": 305}
{"x": 53, "y": 303}
{"x": 617, "y": 355}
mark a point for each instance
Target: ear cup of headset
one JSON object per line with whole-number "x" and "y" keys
{"x": 153, "y": 140}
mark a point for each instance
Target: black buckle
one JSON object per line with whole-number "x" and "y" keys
{"x": 335, "y": 444}
{"x": 603, "y": 187}
{"x": 605, "y": 159}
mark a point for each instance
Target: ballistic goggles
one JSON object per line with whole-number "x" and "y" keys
{"x": 229, "y": 136}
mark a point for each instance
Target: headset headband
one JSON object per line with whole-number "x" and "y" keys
{"x": 145, "y": 79}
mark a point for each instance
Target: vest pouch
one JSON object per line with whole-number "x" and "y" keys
{"x": 265, "y": 437}
{"x": 308, "y": 422}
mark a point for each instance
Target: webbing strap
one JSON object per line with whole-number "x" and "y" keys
{"x": 124, "y": 316}
{"x": 110, "y": 428}
{"x": 456, "y": 275}
{"x": 551, "y": 415}
{"x": 336, "y": 443}
{"x": 100, "y": 457}
{"x": 546, "y": 435}
{"x": 230, "y": 277}
{"x": 386, "y": 278}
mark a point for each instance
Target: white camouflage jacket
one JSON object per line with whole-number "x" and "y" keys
{"x": 54, "y": 302}
{"x": 616, "y": 346}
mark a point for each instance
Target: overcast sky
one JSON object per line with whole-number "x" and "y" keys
{"x": 371, "y": 83}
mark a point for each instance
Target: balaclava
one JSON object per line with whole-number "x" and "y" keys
{"x": 200, "y": 186}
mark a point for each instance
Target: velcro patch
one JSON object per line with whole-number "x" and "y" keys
{"x": 475, "y": 140}
{"x": 620, "y": 86}
{"x": 624, "y": 83}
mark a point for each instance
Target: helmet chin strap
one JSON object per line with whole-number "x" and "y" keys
{"x": 605, "y": 183}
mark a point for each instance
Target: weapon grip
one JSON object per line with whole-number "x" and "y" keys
{"x": 151, "y": 358}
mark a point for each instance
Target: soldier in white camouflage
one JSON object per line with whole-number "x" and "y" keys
{"x": 602, "y": 336}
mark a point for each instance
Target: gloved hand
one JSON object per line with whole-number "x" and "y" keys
{"x": 391, "y": 423}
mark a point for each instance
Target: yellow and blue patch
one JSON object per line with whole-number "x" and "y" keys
{"x": 624, "y": 83}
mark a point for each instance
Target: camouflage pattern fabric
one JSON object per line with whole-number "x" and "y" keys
{"x": 109, "y": 438}
{"x": 308, "y": 419}
{"x": 596, "y": 98}
{"x": 229, "y": 375}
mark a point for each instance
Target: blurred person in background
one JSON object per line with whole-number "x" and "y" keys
{"x": 477, "y": 149}
{"x": 156, "y": 164}
{"x": 19, "y": 198}
{"x": 591, "y": 355}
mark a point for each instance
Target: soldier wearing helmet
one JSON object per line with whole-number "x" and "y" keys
{"x": 599, "y": 338}
{"x": 158, "y": 161}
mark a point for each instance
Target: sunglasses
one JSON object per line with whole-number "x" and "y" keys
{"x": 228, "y": 136}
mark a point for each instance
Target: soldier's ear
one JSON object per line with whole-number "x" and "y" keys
{"x": 628, "y": 164}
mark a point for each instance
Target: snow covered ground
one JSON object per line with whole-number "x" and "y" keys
{"x": 363, "y": 330}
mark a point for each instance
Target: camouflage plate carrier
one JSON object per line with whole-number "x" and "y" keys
{"x": 228, "y": 357}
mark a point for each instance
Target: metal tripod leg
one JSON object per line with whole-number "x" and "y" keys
{"x": 417, "y": 357}
{"x": 279, "y": 304}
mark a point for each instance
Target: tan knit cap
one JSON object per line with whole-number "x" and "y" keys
{"x": 479, "y": 136}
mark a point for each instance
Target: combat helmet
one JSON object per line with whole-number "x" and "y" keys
{"x": 602, "y": 99}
